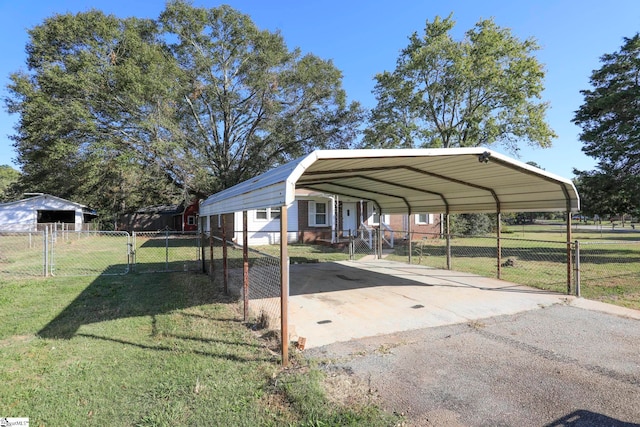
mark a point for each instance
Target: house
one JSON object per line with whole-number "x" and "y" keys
{"x": 321, "y": 218}
{"x": 34, "y": 213}
{"x": 162, "y": 217}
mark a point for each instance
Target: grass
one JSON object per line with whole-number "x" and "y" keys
{"x": 150, "y": 350}
{"x": 300, "y": 253}
{"x": 610, "y": 259}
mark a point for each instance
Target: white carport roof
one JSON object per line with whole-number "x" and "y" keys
{"x": 444, "y": 180}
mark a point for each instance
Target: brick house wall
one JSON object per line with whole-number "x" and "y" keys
{"x": 307, "y": 233}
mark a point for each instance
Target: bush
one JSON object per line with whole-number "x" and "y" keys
{"x": 471, "y": 224}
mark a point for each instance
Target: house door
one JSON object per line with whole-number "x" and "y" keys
{"x": 349, "y": 218}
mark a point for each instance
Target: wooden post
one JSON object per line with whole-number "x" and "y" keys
{"x": 245, "y": 265}
{"x": 225, "y": 270}
{"x": 284, "y": 287}
{"x": 499, "y": 243}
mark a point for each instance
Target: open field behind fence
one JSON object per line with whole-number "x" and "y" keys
{"x": 90, "y": 253}
{"x": 608, "y": 261}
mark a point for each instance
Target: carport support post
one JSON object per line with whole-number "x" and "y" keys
{"x": 569, "y": 263}
{"x": 245, "y": 265}
{"x": 212, "y": 266}
{"x": 203, "y": 251}
{"x": 284, "y": 287}
{"x": 380, "y": 234}
{"x": 577, "y": 273}
{"x": 225, "y": 270}
{"x": 499, "y": 243}
{"x": 410, "y": 236}
{"x": 447, "y": 230}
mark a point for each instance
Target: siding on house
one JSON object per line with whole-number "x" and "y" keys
{"x": 161, "y": 217}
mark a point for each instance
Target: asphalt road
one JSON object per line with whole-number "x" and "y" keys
{"x": 557, "y": 366}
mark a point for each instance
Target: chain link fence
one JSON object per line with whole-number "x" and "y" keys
{"x": 88, "y": 253}
{"x": 62, "y": 252}
{"x": 364, "y": 242}
{"x": 23, "y": 254}
{"x": 539, "y": 263}
{"x": 613, "y": 267}
{"x": 263, "y": 289}
{"x": 165, "y": 251}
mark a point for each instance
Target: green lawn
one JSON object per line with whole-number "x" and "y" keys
{"x": 609, "y": 268}
{"x": 150, "y": 350}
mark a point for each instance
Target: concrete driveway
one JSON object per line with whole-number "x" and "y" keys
{"x": 451, "y": 349}
{"x": 341, "y": 301}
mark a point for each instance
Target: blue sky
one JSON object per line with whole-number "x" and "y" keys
{"x": 364, "y": 38}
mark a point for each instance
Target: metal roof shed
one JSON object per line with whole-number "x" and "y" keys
{"x": 450, "y": 180}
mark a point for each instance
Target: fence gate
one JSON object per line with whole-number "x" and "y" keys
{"x": 164, "y": 251}
{"x": 363, "y": 242}
{"x": 86, "y": 253}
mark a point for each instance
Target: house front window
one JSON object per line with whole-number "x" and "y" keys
{"x": 423, "y": 218}
{"x": 191, "y": 220}
{"x": 262, "y": 214}
{"x": 267, "y": 213}
{"x": 318, "y": 214}
{"x": 374, "y": 216}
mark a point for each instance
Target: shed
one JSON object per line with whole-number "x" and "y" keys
{"x": 31, "y": 214}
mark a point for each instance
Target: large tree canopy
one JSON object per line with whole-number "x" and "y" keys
{"x": 247, "y": 103}
{"x": 118, "y": 113}
{"x": 84, "y": 100}
{"x": 479, "y": 91}
{"x": 610, "y": 122}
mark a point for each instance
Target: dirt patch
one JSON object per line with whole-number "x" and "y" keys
{"x": 15, "y": 340}
{"x": 344, "y": 388}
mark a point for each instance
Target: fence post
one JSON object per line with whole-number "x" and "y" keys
{"x": 577, "y": 264}
{"x": 203, "y": 252}
{"x": 166, "y": 250}
{"x": 45, "y": 253}
{"x": 245, "y": 264}
{"x": 351, "y": 248}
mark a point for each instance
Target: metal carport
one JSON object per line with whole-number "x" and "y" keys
{"x": 448, "y": 180}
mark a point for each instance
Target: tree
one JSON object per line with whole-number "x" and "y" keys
{"x": 606, "y": 193}
{"x": 122, "y": 112}
{"x": 87, "y": 95}
{"x": 247, "y": 102}
{"x": 610, "y": 122}
{"x": 479, "y": 91}
{"x": 8, "y": 177}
